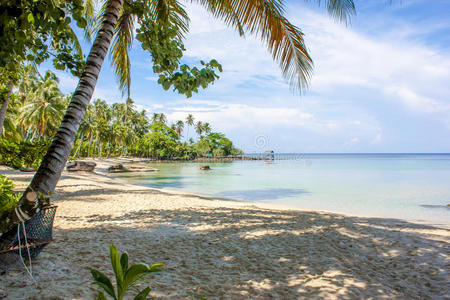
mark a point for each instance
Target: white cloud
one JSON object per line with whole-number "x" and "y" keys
{"x": 231, "y": 116}
{"x": 417, "y": 102}
{"x": 413, "y": 74}
{"x": 67, "y": 83}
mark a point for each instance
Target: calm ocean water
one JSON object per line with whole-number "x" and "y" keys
{"x": 406, "y": 186}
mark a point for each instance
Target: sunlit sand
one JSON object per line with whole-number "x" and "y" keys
{"x": 228, "y": 250}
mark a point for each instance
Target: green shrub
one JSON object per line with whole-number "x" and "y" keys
{"x": 218, "y": 152}
{"x": 7, "y": 198}
{"x": 10, "y": 154}
{"x": 126, "y": 277}
{"x": 22, "y": 154}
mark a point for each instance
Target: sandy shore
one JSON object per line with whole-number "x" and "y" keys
{"x": 228, "y": 250}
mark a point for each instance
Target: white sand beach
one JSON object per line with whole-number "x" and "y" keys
{"x": 227, "y": 249}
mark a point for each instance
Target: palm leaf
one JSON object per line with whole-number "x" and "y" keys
{"x": 123, "y": 40}
{"x": 170, "y": 12}
{"x": 339, "y": 9}
{"x": 89, "y": 15}
{"x": 103, "y": 282}
{"x": 284, "y": 40}
{"x": 143, "y": 294}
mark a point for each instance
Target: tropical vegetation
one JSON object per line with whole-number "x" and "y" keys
{"x": 36, "y": 110}
{"x": 7, "y": 197}
{"x": 161, "y": 27}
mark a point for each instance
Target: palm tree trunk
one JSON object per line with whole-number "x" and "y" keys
{"x": 5, "y": 106}
{"x": 79, "y": 146}
{"x": 49, "y": 172}
{"x": 90, "y": 144}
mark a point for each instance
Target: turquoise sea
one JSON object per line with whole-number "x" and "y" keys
{"x": 414, "y": 187}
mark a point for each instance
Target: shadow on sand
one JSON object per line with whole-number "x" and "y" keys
{"x": 233, "y": 253}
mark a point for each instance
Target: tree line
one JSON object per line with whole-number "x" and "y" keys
{"x": 37, "y": 106}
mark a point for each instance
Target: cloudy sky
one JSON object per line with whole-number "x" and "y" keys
{"x": 381, "y": 84}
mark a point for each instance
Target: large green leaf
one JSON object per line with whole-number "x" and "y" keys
{"x": 138, "y": 271}
{"x": 115, "y": 262}
{"x": 156, "y": 268}
{"x": 134, "y": 273}
{"x": 124, "y": 262}
{"x": 101, "y": 296}
{"x": 143, "y": 294}
{"x": 103, "y": 281}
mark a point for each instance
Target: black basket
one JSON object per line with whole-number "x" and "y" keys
{"x": 39, "y": 230}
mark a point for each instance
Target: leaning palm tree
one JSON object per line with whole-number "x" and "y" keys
{"x": 264, "y": 18}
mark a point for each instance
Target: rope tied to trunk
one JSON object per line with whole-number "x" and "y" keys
{"x": 22, "y": 221}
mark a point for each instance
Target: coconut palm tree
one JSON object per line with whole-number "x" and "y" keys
{"x": 155, "y": 117}
{"x": 162, "y": 118}
{"x": 261, "y": 17}
{"x": 27, "y": 75}
{"x": 199, "y": 128}
{"x": 11, "y": 129}
{"x": 189, "y": 123}
{"x": 206, "y": 128}
{"x": 4, "y": 106}
{"x": 45, "y": 106}
{"x": 179, "y": 125}
{"x": 129, "y": 107}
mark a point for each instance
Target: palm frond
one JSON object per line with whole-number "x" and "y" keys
{"x": 97, "y": 20}
{"x": 89, "y": 15}
{"x": 123, "y": 39}
{"x": 341, "y": 10}
{"x": 171, "y": 12}
{"x": 266, "y": 19}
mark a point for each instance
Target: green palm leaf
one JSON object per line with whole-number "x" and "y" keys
{"x": 103, "y": 282}
{"x": 123, "y": 40}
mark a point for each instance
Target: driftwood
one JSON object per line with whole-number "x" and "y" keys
{"x": 81, "y": 166}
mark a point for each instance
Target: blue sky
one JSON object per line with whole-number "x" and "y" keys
{"x": 381, "y": 84}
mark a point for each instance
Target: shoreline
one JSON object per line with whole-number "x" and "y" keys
{"x": 232, "y": 249}
{"x": 104, "y": 163}
{"x": 103, "y": 169}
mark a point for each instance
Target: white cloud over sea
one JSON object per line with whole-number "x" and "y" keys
{"x": 379, "y": 85}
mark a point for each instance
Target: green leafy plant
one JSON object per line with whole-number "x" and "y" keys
{"x": 126, "y": 277}
{"x": 7, "y": 198}
{"x": 22, "y": 154}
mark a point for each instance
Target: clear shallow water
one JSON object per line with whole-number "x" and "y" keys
{"x": 406, "y": 186}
